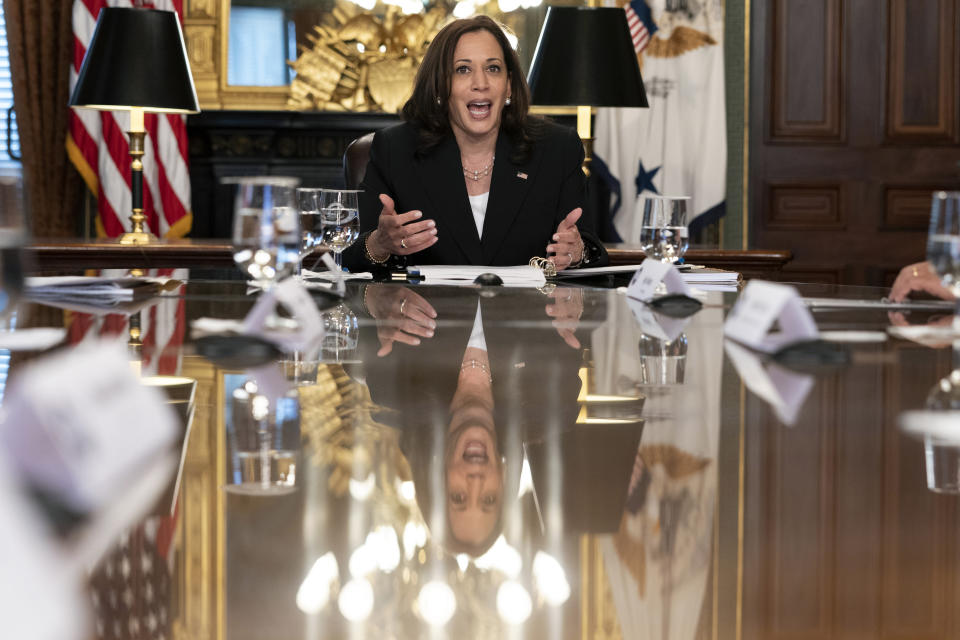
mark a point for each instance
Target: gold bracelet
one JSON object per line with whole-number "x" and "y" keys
{"x": 363, "y": 301}
{"x": 473, "y": 363}
{"x": 369, "y": 256}
{"x": 583, "y": 252}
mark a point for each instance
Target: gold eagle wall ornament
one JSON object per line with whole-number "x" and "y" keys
{"x": 682, "y": 40}
{"x": 362, "y": 61}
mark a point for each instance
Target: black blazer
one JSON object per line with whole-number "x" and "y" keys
{"x": 527, "y": 201}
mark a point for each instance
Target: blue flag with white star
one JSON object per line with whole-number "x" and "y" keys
{"x": 678, "y": 146}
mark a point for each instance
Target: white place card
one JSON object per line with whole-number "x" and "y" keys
{"x": 643, "y": 285}
{"x": 79, "y": 424}
{"x": 655, "y": 324}
{"x": 42, "y": 599}
{"x": 760, "y": 305}
{"x": 782, "y": 389}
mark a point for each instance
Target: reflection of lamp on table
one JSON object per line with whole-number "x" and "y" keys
{"x": 180, "y": 393}
{"x": 585, "y": 57}
{"x": 136, "y": 62}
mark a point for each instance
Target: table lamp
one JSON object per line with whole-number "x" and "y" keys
{"x": 585, "y": 57}
{"x": 136, "y": 62}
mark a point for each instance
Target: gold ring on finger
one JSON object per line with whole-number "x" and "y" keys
{"x": 403, "y": 243}
{"x": 402, "y": 303}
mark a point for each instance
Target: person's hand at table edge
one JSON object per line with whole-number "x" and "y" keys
{"x": 919, "y": 276}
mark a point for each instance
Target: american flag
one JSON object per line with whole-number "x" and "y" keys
{"x": 641, "y": 24}
{"x": 98, "y": 146}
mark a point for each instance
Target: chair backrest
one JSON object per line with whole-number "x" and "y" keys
{"x": 355, "y": 160}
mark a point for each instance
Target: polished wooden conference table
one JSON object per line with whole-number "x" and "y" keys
{"x": 49, "y": 254}
{"x": 634, "y": 486}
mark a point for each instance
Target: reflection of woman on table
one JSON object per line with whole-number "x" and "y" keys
{"x": 470, "y": 177}
{"x": 467, "y": 387}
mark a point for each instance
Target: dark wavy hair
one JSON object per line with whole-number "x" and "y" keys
{"x": 434, "y": 78}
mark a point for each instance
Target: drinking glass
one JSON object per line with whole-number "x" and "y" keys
{"x": 340, "y": 222}
{"x": 942, "y": 463}
{"x": 266, "y": 228}
{"x": 943, "y": 243}
{"x": 300, "y": 367}
{"x": 341, "y": 334}
{"x": 662, "y": 362}
{"x": 663, "y": 230}
{"x": 942, "y": 454}
{"x": 13, "y": 236}
{"x": 311, "y": 222}
{"x": 263, "y": 438}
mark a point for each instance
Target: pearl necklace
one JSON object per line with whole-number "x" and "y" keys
{"x": 480, "y": 173}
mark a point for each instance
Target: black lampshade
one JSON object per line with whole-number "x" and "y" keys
{"x": 585, "y": 57}
{"x": 136, "y": 58}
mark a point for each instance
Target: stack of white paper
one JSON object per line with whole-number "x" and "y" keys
{"x": 92, "y": 294}
{"x": 711, "y": 279}
{"x": 118, "y": 288}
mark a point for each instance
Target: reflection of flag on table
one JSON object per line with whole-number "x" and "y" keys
{"x": 679, "y": 145}
{"x": 162, "y": 327}
{"x": 98, "y": 146}
{"x": 130, "y": 587}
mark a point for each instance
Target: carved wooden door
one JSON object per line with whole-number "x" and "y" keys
{"x": 854, "y": 122}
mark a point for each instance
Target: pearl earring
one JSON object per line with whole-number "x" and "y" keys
{"x": 507, "y": 102}
{"x": 438, "y": 101}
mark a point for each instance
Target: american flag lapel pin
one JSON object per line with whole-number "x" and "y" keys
{"x": 521, "y": 175}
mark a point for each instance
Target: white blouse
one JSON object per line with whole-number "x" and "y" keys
{"x": 479, "y": 206}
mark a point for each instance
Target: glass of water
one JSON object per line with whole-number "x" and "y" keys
{"x": 340, "y": 224}
{"x": 309, "y": 201}
{"x": 263, "y": 437}
{"x": 663, "y": 230}
{"x": 663, "y": 362}
{"x": 943, "y": 245}
{"x": 943, "y": 241}
{"x": 266, "y": 228}
{"x": 341, "y": 334}
{"x": 13, "y": 236}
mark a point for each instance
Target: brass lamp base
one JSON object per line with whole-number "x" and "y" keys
{"x": 584, "y": 116}
{"x": 138, "y": 237}
{"x": 587, "y": 155}
{"x": 140, "y": 234}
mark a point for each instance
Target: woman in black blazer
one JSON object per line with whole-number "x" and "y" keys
{"x": 470, "y": 177}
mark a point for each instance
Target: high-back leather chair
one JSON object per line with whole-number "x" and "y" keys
{"x": 355, "y": 160}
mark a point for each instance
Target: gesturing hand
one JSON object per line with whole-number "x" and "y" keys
{"x": 400, "y": 233}
{"x": 567, "y": 247}
{"x": 566, "y": 308}
{"x": 402, "y": 315}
